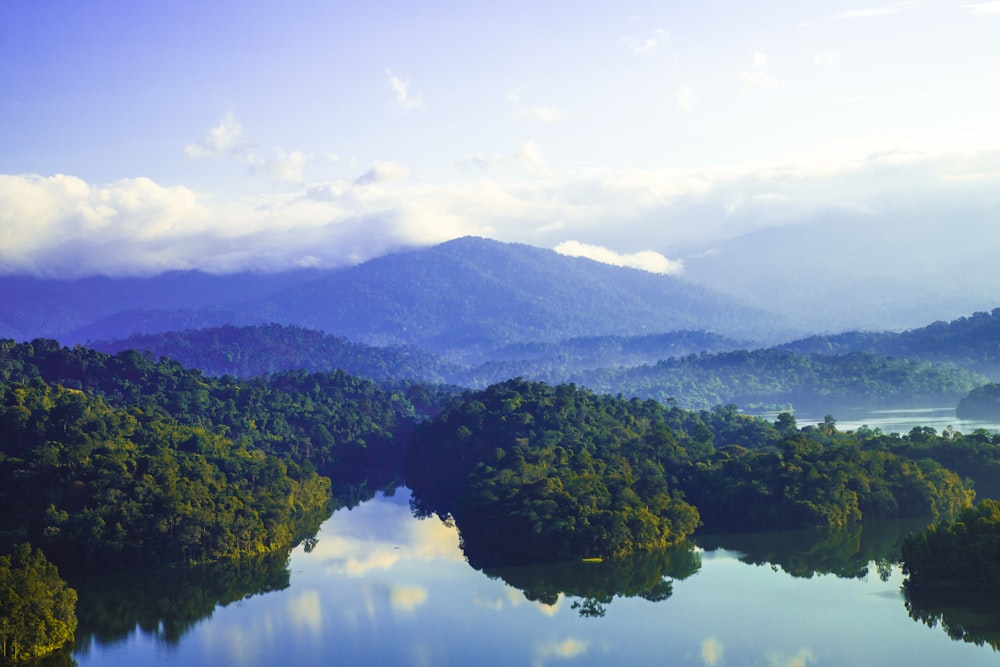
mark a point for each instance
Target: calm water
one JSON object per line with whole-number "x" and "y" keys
{"x": 897, "y": 420}
{"x": 379, "y": 587}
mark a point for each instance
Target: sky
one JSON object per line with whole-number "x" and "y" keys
{"x": 141, "y": 137}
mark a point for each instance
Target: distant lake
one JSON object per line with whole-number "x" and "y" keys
{"x": 894, "y": 420}
{"x": 379, "y": 587}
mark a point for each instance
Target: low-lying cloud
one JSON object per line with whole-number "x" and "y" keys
{"x": 647, "y": 260}
{"x": 63, "y": 226}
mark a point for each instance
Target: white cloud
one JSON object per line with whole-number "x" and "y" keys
{"x": 287, "y": 167}
{"x": 758, "y": 76}
{"x": 228, "y": 140}
{"x": 647, "y": 45}
{"x": 224, "y": 138}
{"x": 61, "y": 225}
{"x": 531, "y": 159}
{"x": 404, "y": 98}
{"x": 983, "y": 8}
{"x": 868, "y": 12}
{"x": 384, "y": 172}
{"x": 647, "y": 260}
{"x": 687, "y": 99}
{"x": 545, "y": 114}
{"x": 527, "y": 159}
{"x": 827, "y": 59}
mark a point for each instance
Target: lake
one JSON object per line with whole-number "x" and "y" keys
{"x": 899, "y": 420}
{"x": 379, "y": 587}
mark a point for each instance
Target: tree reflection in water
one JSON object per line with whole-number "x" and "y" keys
{"x": 843, "y": 552}
{"x": 963, "y": 616}
{"x": 168, "y": 602}
{"x": 594, "y": 585}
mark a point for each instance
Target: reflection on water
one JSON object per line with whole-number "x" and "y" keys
{"x": 846, "y": 552}
{"x": 963, "y": 617}
{"x": 381, "y": 588}
{"x": 595, "y": 584}
{"x": 166, "y": 604}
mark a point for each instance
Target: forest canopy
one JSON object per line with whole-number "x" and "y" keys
{"x": 561, "y": 473}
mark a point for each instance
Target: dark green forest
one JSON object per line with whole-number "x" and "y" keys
{"x": 963, "y": 554}
{"x": 37, "y": 608}
{"x": 531, "y": 471}
{"x": 113, "y": 462}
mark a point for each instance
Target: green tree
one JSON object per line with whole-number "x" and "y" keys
{"x": 37, "y": 608}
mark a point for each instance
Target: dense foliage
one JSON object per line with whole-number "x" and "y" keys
{"x": 559, "y": 472}
{"x": 100, "y": 487}
{"x": 117, "y": 461}
{"x": 37, "y": 608}
{"x": 779, "y": 377}
{"x": 553, "y": 472}
{"x": 333, "y": 421}
{"x": 806, "y": 483}
{"x": 960, "y": 554}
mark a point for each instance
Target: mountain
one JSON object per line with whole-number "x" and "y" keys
{"x": 470, "y": 293}
{"x": 478, "y": 293}
{"x": 846, "y": 272}
{"x": 66, "y": 309}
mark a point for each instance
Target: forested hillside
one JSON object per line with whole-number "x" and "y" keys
{"x": 252, "y": 351}
{"x": 775, "y": 377}
{"x": 532, "y": 471}
{"x": 117, "y": 461}
{"x": 971, "y": 342}
{"x": 772, "y": 377}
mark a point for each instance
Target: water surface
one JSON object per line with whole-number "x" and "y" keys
{"x": 379, "y": 587}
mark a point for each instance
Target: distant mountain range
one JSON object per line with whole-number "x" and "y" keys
{"x": 971, "y": 342}
{"x": 862, "y": 271}
{"x": 255, "y": 350}
{"x": 470, "y": 293}
{"x": 694, "y": 369}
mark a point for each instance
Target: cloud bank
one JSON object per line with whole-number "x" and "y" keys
{"x": 61, "y": 225}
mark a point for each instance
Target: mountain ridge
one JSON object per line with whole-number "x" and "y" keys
{"x": 466, "y": 293}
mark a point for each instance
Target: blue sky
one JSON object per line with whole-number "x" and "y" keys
{"x": 142, "y": 137}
